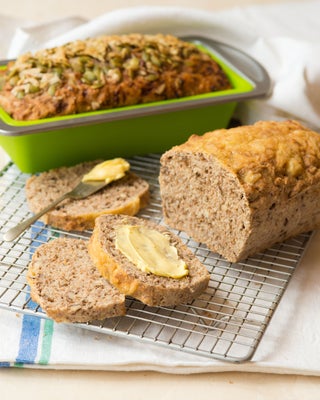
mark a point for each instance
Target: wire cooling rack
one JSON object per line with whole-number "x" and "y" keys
{"x": 226, "y": 322}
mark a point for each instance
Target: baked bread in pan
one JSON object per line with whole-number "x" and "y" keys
{"x": 106, "y": 72}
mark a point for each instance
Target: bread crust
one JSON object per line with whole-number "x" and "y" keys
{"x": 107, "y": 72}
{"x": 242, "y": 190}
{"x": 65, "y": 283}
{"x": 150, "y": 289}
{"x": 127, "y": 196}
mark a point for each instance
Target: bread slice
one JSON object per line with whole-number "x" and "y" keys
{"x": 241, "y": 190}
{"x": 66, "y": 284}
{"x": 127, "y": 196}
{"x": 151, "y": 289}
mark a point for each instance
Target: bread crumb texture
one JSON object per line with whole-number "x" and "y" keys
{"x": 66, "y": 284}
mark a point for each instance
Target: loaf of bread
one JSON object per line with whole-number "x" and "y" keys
{"x": 151, "y": 289}
{"x": 66, "y": 284}
{"x": 126, "y": 195}
{"x": 106, "y": 72}
{"x": 241, "y": 190}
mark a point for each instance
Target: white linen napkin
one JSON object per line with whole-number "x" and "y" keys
{"x": 284, "y": 38}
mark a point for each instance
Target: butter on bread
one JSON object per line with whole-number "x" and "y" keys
{"x": 243, "y": 189}
{"x": 126, "y": 195}
{"x": 149, "y": 288}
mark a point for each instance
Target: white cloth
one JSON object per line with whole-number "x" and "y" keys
{"x": 291, "y": 343}
{"x": 285, "y": 39}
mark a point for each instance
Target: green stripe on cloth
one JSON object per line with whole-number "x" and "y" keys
{"x": 47, "y": 333}
{"x": 46, "y": 342}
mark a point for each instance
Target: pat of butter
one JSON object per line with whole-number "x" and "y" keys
{"x": 150, "y": 251}
{"x": 108, "y": 171}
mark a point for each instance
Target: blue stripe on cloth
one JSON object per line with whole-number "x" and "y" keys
{"x": 29, "y": 337}
{"x": 4, "y": 365}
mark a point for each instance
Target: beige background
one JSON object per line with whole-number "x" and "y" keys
{"x": 45, "y": 10}
{"x": 49, "y": 384}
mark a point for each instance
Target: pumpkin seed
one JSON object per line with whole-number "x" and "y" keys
{"x": 20, "y": 94}
{"x": 58, "y": 70}
{"x": 33, "y": 89}
{"x": 145, "y": 57}
{"x": 160, "y": 89}
{"x": 115, "y": 62}
{"x": 13, "y": 72}
{"x": 124, "y": 53}
{"x": 77, "y": 65}
{"x": 89, "y": 76}
{"x": 14, "y": 80}
{"x": 52, "y": 90}
{"x": 152, "y": 77}
{"x": 132, "y": 63}
{"x": 155, "y": 60}
{"x": 114, "y": 75}
{"x": 95, "y": 105}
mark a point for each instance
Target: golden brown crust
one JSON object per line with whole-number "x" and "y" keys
{"x": 107, "y": 72}
{"x": 264, "y": 156}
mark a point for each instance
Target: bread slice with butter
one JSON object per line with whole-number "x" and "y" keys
{"x": 121, "y": 270}
{"x": 66, "y": 284}
{"x": 126, "y": 195}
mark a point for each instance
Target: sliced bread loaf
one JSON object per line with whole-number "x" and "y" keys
{"x": 68, "y": 287}
{"x": 149, "y": 288}
{"x": 126, "y": 195}
{"x": 241, "y": 190}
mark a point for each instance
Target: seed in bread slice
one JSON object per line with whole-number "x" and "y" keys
{"x": 66, "y": 284}
{"x": 151, "y": 289}
{"x": 126, "y": 195}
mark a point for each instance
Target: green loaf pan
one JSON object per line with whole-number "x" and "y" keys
{"x": 36, "y": 146}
